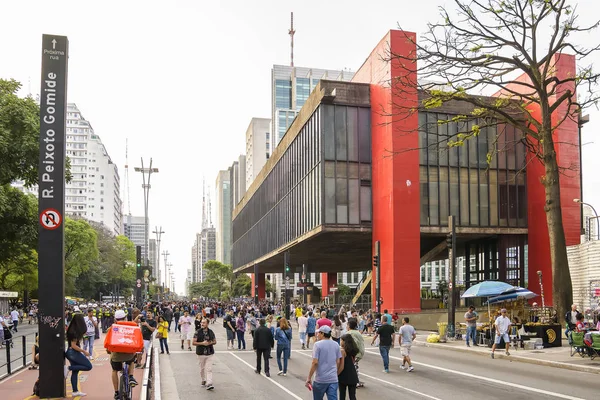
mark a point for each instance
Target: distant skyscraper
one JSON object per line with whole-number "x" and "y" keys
{"x": 204, "y": 248}
{"x": 290, "y": 87}
{"x": 134, "y": 230}
{"x": 237, "y": 177}
{"x": 94, "y": 191}
{"x": 258, "y": 137}
{"x": 223, "y": 222}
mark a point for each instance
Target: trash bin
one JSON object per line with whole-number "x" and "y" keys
{"x": 442, "y": 327}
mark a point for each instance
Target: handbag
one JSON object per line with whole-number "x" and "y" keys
{"x": 159, "y": 335}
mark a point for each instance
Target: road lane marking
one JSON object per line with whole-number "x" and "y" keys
{"x": 269, "y": 379}
{"x": 392, "y": 384}
{"x": 491, "y": 380}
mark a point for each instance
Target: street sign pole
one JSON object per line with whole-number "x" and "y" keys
{"x": 256, "y": 284}
{"x": 378, "y": 276}
{"x": 138, "y": 275}
{"x": 51, "y": 203}
{"x": 304, "y": 275}
{"x": 286, "y": 260}
{"x": 452, "y": 272}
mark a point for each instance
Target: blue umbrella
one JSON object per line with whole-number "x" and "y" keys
{"x": 513, "y": 294}
{"x": 487, "y": 289}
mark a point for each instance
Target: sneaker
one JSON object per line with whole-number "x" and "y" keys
{"x": 132, "y": 381}
{"x": 387, "y": 371}
{"x": 402, "y": 367}
{"x": 256, "y": 371}
{"x": 189, "y": 348}
{"x": 284, "y": 374}
{"x": 209, "y": 387}
{"x": 181, "y": 347}
{"x": 507, "y": 353}
{"x": 475, "y": 344}
{"x": 203, "y": 384}
{"x": 410, "y": 369}
{"x": 468, "y": 345}
{"x": 117, "y": 396}
{"x": 280, "y": 373}
{"x": 79, "y": 394}
{"x": 303, "y": 347}
{"x": 268, "y": 375}
{"x": 492, "y": 355}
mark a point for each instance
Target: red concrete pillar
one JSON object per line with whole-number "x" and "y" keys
{"x": 566, "y": 140}
{"x": 395, "y": 180}
{"x": 258, "y": 284}
{"x": 328, "y": 280}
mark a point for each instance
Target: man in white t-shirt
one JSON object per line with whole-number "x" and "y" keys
{"x": 502, "y": 326}
{"x": 302, "y": 324}
{"x": 91, "y": 323}
{"x": 14, "y": 315}
{"x": 187, "y": 331}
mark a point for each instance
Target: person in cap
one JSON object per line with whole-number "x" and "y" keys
{"x": 117, "y": 360}
{"x": 502, "y": 325}
{"x": 327, "y": 362}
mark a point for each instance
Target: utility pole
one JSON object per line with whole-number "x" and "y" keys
{"x": 146, "y": 186}
{"x": 376, "y": 264}
{"x": 158, "y": 232}
{"x": 165, "y": 255}
{"x": 451, "y": 241}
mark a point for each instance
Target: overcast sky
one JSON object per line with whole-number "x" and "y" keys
{"x": 182, "y": 79}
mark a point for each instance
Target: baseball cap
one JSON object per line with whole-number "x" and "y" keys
{"x": 76, "y": 309}
{"x": 119, "y": 314}
{"x": 324, "y": 329}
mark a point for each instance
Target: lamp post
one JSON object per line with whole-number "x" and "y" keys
{"x": 146, "y": 186}
{"x": 158, "y": 232}
{"x": 165, "y": 255}
{"x": 596, "y": 217}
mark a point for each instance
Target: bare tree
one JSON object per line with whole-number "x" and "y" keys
{"x": 510, "y": 48}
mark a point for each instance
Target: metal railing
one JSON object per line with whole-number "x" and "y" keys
{"x": 14, "y": 364}
{"x": 148, "y": 373}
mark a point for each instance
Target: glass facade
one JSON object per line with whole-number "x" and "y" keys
{"x": 283, "y": 93}
{"x": 459, "y": 181}
{"x": 302, "y": 91}
{"x": 323, "y": 177}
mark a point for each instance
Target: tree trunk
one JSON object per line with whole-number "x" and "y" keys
{"x": 562, "y": 288}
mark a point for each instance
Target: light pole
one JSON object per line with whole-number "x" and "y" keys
{"x": 596, "y": 217}
{"x": 158, "y": 232}
{"x": 146, "y": 187}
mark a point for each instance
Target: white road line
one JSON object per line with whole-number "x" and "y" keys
{"x": 393, "y": 384}
{"x": 269, "y": 379}
{"x": 491, "y": 380}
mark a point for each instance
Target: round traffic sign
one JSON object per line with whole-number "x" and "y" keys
{"x": 450, "y": 285}
{"x": 139, "y": 285}
{"x": 50, "y": 219}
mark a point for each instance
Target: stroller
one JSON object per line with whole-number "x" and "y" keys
{"x": 7, "y": 337}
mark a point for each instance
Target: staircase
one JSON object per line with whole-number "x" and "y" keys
{"x": 362, "y": 285}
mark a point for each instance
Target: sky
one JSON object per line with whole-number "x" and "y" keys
{"x": 181, "y": 80}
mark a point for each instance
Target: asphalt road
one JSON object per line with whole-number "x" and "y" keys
{"x": 16, "y": 352}
{"x": 438, "y": 374}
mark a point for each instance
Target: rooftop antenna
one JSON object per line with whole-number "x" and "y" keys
{"x": 291, "y": 32}
{"x": 127, "y": 176}
{"x": 204, "y": 219}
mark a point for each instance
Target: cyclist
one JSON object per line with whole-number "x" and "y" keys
{"x": 117, "y": 360}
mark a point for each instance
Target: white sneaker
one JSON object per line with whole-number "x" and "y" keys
{"x": 402, "y": 367}
{"x": 79, "y": 394}
{"x": 410, "y": 369}
{"x": 280, "y": 373}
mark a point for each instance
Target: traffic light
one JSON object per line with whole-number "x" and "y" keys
{"x": 376, "y": 261}
{"x": 287, "y": 268}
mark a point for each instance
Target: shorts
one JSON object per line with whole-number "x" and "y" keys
{"x": 230, "y": 334}
{"x": 187, "y": 335}
{"x": 118, "y": 365}
{"x": 312, "y": 334}
{"x": 502, "y": 336}
{"x": 147, "y": 345}
{"x": 405, "y": 350}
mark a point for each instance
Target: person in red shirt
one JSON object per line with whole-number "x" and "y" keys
{"x": 580, "y": 326}
{"x": 323, "y": 321}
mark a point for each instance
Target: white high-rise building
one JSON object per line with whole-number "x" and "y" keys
{"x": 134, "y": 230}
{"x": 258, "y": 138}
{"x": 223, "y": 209}
{"x": 94, "y": 190}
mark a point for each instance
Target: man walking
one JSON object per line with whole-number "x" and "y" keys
{"x": 360, "y": 344}
{"x": 387, "y": 337}
{"x": 327, "y": 362}
{"x": 502, "y": 326}
{"x": 471, "y": 319}
{"x": 228, "y": 324}
{"x": 262, "y": 344}
{"x": 205, "y": 340}
{"x": 302, "y": 324}
{"x": 14, "y": 316}
{"x": 407, "y": 335}
{"x": 187, "y": 332}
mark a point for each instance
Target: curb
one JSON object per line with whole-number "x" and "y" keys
{"x": 527, "y": 360}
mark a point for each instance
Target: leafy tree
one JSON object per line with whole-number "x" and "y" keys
{"x": 344, "y": 290}
{"x": 81, "y": 250}
{"x": 485, "y": 46}
{"x": 217, "y": 284}
{"x": 242, "y": 286}
{"x": 269, "y": 288}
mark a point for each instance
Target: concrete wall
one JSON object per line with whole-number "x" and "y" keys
{"x": 584, "y": 264}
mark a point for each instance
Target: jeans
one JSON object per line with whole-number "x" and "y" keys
{"x": 169, "y": 326}
{"x": 79, "y": 362}
{"x": 15, "y": 324}
{"x": 385, "y": 355}
{"x": 163, "y": 342}
{"x": 286, "y": 354}
{"x": 241, "y": 340}
{"x": 264, "y": 353}
{"x": 322, "y": 389}
{"x": 472, "y": 334}
{"x": 88, "y": 344}
{"x": 302, "y": 337}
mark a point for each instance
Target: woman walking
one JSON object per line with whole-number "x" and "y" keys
{"x": 75, "y": 354}
{"x": 348, "y": 378}
{"x": 336, "y": 329}
{"x": 240, "y": 329}
{"x": 163, "y": 334}
{"x": 283, "y": 337}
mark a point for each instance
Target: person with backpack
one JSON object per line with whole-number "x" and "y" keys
{"x": 252, "y": 323}
{"x": 283, "y": 337}
{"x": 347, "y": 377}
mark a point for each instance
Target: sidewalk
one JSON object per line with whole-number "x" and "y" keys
{"x": 558, "y": 357}
{"x": 96, "y": 383}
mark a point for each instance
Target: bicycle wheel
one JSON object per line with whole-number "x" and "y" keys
{"x": 123, "y": 388}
